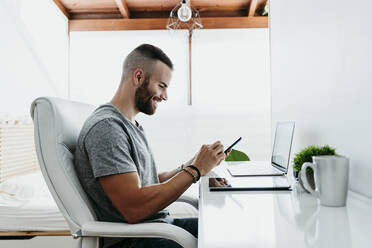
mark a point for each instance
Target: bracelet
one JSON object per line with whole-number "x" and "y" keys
{"x": 195, "y": 169}
{"x": 180, "y": 168}
{"x": 190, "y": 173}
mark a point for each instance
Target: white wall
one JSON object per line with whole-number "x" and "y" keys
{"x": 33, "y": 54}
{"x": 231, "y": 82}
{"x": 322, "y": 77}
{"x": 231, "y": 87}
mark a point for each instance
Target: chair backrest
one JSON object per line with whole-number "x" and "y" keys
{"x": 57, "y": 124}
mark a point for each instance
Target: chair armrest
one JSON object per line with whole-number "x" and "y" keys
{"x": 190, "y": 199}
{"x": 140, "y": 230}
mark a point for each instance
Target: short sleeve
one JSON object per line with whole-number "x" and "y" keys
{"x": 108, "y": 149}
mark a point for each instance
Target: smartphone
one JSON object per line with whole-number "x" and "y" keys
{"x": 233, "y": 144}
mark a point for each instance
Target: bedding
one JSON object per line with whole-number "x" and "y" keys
{"x": 27, "y": 205}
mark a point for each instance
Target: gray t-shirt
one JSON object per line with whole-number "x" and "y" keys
{"x": 110, "y": 144}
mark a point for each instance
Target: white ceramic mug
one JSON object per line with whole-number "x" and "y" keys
{"x": 331, "y": 176}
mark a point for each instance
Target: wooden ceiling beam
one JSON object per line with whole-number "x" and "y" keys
{"x": 168, "y": 5}
{"x": 153, "y": 14}
{"x": 160, "y": 23}
{"x": 88, "y": 4}
{"x": 77, "y": 6}
{"x": 62, "y": 8}
{"x": 252, "y": 7}
{"x": 94, "y": 11}
{"x": 256, "y": 5}
{"x": 122, "y": 5}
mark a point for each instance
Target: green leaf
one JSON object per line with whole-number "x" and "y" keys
{"x": 236, "y": 155}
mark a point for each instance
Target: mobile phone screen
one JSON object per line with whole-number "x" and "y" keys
{"x": 233, "y": 144}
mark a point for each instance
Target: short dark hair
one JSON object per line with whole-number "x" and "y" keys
{"x": 144, "y": 57}
{"x": 153, "y": 52}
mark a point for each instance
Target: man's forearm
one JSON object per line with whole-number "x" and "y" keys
{"x": 164, "y": 176}
{"x": 154, "y": 198}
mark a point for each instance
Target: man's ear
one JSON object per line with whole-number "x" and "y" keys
{"x": 138, "y": 76}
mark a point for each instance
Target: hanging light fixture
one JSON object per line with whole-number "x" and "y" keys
{"x": 183, "y": 15}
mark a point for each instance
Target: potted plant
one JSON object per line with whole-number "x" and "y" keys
{"x": 305, "y": 155}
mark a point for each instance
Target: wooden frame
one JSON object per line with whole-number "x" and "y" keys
{"x": 160, "y": 23}
{"x": 34, "y": 233}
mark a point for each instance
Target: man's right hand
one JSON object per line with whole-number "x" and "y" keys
{"x": 208, "y": 157}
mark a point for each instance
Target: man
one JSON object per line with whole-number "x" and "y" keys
{"x": 115, "y": 164}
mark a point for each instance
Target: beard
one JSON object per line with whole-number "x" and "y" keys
{"x": 143, "y": 98}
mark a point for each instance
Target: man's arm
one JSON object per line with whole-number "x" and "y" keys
{"x": 136, "y": 203}
{"x": 166, "y": 175}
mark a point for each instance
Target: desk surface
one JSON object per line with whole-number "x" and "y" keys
{"x": 280, "y": 219}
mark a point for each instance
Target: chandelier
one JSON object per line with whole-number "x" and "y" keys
{"x": 184, "y": 16}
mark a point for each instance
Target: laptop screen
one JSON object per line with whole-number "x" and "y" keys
{"x": 282, "y": 144}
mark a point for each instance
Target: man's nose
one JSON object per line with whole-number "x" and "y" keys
{"x": 164, "y": 95}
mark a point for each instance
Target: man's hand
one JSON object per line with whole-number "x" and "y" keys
{"x": 219, "y": 182}
{"x": 227, "y": 154}
{"x": 208, "y": 157}
{"x": 193, "y": 158}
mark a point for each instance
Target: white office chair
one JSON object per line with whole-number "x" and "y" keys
{"x": 57, "y": 126}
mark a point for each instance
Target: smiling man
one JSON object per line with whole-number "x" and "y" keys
{"x": 114, "y": 162}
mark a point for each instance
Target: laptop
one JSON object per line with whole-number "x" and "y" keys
{"x": 279, "y": 158}
{"x": 248, "y": 184}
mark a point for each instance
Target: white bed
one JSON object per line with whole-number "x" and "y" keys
{"x": 27, "y": 206}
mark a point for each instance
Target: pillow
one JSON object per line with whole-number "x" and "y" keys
{"x": 25, "y": 187}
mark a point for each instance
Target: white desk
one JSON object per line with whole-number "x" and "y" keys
{"x": 280, "y": 219}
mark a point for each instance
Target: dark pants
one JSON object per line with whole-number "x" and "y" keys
{"x": 189, "y": 224}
